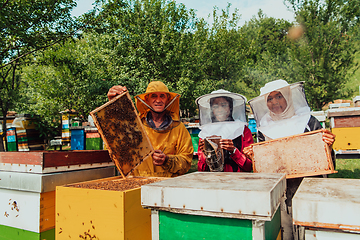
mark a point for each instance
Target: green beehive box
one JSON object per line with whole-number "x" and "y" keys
{"x": 216, "y": 205}
{"x": 93, "y": 140}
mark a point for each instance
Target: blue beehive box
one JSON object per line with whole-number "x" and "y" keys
{"x": 77, "y": 138}
{"x": 252, "y": 125}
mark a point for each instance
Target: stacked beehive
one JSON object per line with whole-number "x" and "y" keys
{"x": 27, "y": 188}
{"x": 110, "y": 208}
{"x": 28, "y": 137}
{"x": 345, "y": 124}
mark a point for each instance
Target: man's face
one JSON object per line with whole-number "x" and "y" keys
{"x": 157, "y": 101}
{"x": 276, "y": 102}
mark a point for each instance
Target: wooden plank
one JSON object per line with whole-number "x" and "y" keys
{"x": 83, "y": 212}
{"x": 47, "y": 182}
{"x": 122, "y": 132}
{"x": 244, "y": 195}
{"x": 53, "y": 161}
{"x": 31, "y": 158}
{"x": 47, "y": 211}
{"x": 20, "y": 210}
{"x": 137, "y": 219}
{"x": 346, "y": 121}
{"x": 304, "y": 154}
{"x": 343, "y": 112}
{"x": 184, "y": 226}
{"x": 64, "y": 158}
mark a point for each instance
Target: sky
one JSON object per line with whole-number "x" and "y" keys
{"x": 247, "y": 8}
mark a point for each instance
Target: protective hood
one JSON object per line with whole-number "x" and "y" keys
{"x": 173, "y": 105}
{"x": 293, "y": 118}
{"x": 222, "y": 113}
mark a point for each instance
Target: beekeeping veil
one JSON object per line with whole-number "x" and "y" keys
{"x": 232, "y": 126}
{"x": 292, "y": 120}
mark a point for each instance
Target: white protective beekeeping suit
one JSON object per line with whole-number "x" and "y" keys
{"x": 230, "y": 128}
{"x": 294, "y": 118}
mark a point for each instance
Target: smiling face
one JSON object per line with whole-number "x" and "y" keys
{"x": 157, "y": 101}
{"x": 276, "y": 102}
{"x": 221, "y": 109}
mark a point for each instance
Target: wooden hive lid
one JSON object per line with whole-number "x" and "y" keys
{"x": 123, "y": 133}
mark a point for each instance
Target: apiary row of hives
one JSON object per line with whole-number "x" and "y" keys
{"x": 27, "y": 187}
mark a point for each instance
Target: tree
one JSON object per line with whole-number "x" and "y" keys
{"x": 267, "y": 53}
{"x": 325, "y": 53}
{"x": 153, "y": 40}
{"x": 75, "y": 75}
{"x": 26, "y": 27}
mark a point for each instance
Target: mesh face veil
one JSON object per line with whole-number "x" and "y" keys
{"x": 281, "y": 109}
{"x": 222, "y": 113}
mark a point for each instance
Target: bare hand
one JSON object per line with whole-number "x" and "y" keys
{"x": 248, "y": 151}
{"x": 115, "y": 90}
{"x": 159, "y": 158}
{"x": 328, "y": 137}
{"x": 227, "y": 144}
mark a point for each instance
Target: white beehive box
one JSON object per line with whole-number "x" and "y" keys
{"x": 256, "y": 195}
{"x": 328, "y": 207}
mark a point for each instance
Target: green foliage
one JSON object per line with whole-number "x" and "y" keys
{"x": 325, "y": 54}
{"x": 26, "y": 27}
{"x": 267, "y": 53}
{"x": 132, "y": 42}
{"x": 75, "y": 75}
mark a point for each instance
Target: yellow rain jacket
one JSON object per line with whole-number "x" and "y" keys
{"x": 175, "y": 138}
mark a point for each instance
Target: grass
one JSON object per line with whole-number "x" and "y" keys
{"x": 347, "y": 168}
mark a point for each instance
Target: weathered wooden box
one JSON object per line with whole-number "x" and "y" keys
{"x": 53, "y": 161}
{"x": 103, "y": 209}
{"x": 221, "y": 205}
{"x": 327, "y": 208}
{"x": 27, "y": 201}
{"x": 124, "y": 135}
{"x": 299, "y": 155}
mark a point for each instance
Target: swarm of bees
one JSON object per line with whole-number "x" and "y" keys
{"x": 117, "y": 185}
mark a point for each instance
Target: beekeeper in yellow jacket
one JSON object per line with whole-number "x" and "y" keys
{"x": 159, "y": 112}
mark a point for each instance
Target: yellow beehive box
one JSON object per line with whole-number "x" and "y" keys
{"x": 347, "y": 138}
{"x": 108, "y": 209}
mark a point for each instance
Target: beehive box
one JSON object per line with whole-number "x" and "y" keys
{"x": 93, "y": 140}
{"x": 345, "y": 124}
{"x": 299, "y": 155}
{"x": 28, "y": 137}
{"x": 103, "y": 209}
{"x": 110, "y": 208}
{"x": 27, "y": 202}
{"x": 328, "y": 208}
{"x": 11, "y": 140}
{"x": 216, "y": 205}
{"x": 53, "y": 161}
{"x": 77, "y": 138}
{"x": 124, "y": 135}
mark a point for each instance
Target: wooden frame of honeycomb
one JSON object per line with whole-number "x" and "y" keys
{"x": 122, "y": 131}
{"x": 299, "y": 155}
